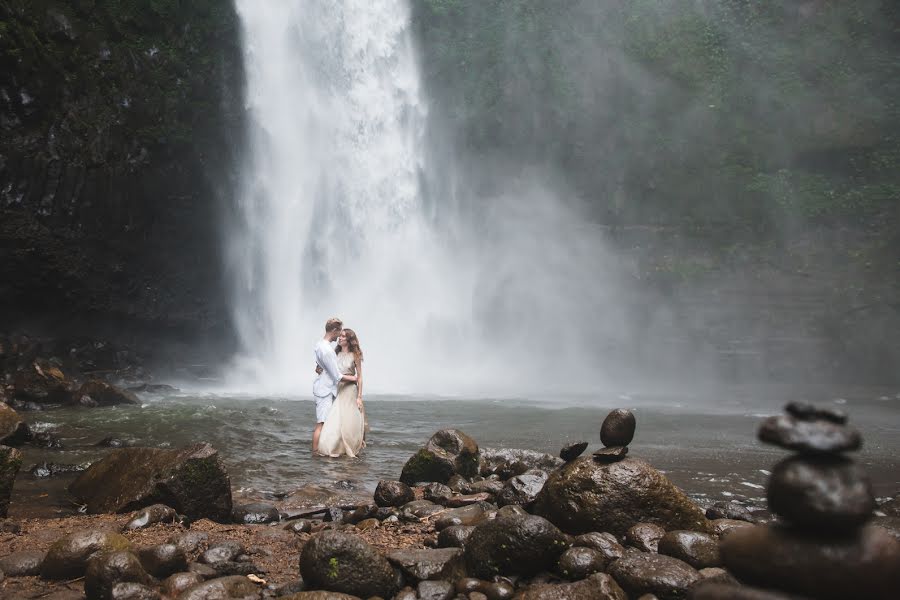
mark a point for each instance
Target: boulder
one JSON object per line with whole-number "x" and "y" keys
{"x": 449, "y": 452}
{"x": 585, "y": 496}
{"x": 618, "y": 428}
{"x": 865, "y": 564}
{"x": 499, "y": 460}
{"x": 10, "y": 463}
{"x": 191, "y": 480}
{"x": 599, "y": 586}
{"x": 522, "y": 489}
{"x": 393, "y": 493}
{"x": 236, "y": 587}
{"x": 22, "y": 564}
{"x": 578, "y": 563}
{"x": 344, "y": 563}
{"x": 821, "y": 492}
{"x": 14, "y": 430}
{"x": 105, "y": 394}
{"x": 105, "y": 569}
{"x": 644, "y": 536}
{"x": 67, "y": 557}
{"x": 418, "y": 565}
{"x": 572, "y": 451}
{"x": 663, "y": 576}
{"x": 700, "y": 550}
{"x": 41, "y": 385}
{"x": 514, "y": 545}
{"x": 818, "y": 436}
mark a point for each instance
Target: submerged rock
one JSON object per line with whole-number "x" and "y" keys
{"x": 585, "y": 496}
{"x": 449, "y": 452}
{"x": 191, "y": 480}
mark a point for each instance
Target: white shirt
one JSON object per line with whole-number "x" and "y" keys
{"x": 326, "y": 383}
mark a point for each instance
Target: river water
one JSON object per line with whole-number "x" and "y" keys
{"x": 706, "y": 444}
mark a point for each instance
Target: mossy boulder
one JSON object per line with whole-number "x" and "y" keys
{"x": 10, "y": 463}
{"x": 344, "y": 563}
{"x": 67, "y": 558}
{"x": 585, "y": 496}
{"x": 191, "y": 480}
{"x": 449, "y": 452}
{"x": 106, "y": 569}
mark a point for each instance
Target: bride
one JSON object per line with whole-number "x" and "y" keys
{"x": 344, "y": 428}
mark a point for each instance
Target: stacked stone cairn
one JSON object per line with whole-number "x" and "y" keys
{"x": 616, "y": 433}
{"x": 822, "y": 546}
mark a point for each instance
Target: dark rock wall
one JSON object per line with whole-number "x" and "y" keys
{"x": 119, "y": 124}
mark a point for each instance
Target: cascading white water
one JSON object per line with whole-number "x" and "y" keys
{"x": 331, "y": 215}
{"x": 514, "y": 293}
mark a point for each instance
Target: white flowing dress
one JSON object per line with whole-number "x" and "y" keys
{"x": 344, "y": 428}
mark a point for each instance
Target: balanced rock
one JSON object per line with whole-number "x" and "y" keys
{"x": 610, "y": 454}
{"x": 105, "y": 570}
{"x": 522, "y": 489}
{"x": 599, "y": 586}
{"x": 105, "y": 394}
{"x": 14, "y": 430}
{"x": 449, "y": 452}
{"x": 644, "y": 536}
{"x": 863, "y": 565}
{"x": 514, "y": 545}
{"x": 618, "y": 428}
{"x": 585, "y": 496}
{"x": 10, "y": 463}
{"x": 821, "y": 493}
{"x": 67, "y": 557}
{"x": 192, "y": 480}
{"x": 572, "y": 451}
{"x": 806, "y": 411}
{"x": 700, "y": 550}
{"x": 344, "y": 563}
{"x": 663, "y": 576}
{"x": 819, "y": 436}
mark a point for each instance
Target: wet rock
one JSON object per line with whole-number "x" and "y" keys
{"x": 367, "y": 524}
{"x": 334, "y": 514}
{"x": 320, "y": 595}
{"x": 177, "y": 583}
{"x": 393, "y": 493}
{"x": 45, "y": 439}
{"x": 516, "y": 545}
{"x": 192, "y": 480}
{"x": 572, "y": 451}
{"x": 805, "y": 411}
{"x": 491, "y": 590}
{"x": 488, "y": 486}
{"x": 499, "y": 460}
{"x": 819, "y": 492}
{"x": 610, "y": 454}
{"x": 665, "y": 577}
{"x": 435, "y": 590}
{"x": 599, "y": 586}
{"x": 299, "y": 526}
{"x": 729, "y": 510}
{"x": 406, "y": 593}
{"x": 67, "y": 557}
{"x": 256, "y": 513}
{"x": 700, "y": 550}
{"x": 49, "y": 469}
{"x": 223, "y": 551}
{"x": 153, "y": 388}
{"x": 459, "y": 484}
{"x": 585, "y": 496}
{"x": 467, "y": 515}
{"x": 417, "y": 565}
{"x": 714, "y": 590}
{"x": 863, "y": 565}
{"x": 618, "y": 428}
{"x": 132, "y": 591}
{"x": 10, "y": 463}
{"x": 204, "y": 571}
{"x": 163, "y": 560}
{"x": 721, "y": 527}
{"x": 190, "y": 541}
{"x": 419, "y": 509}
{"x": 449, "y": 452}
{"x": 467, "y": 500}
{"x": 718, "y": 575}
{"x": 22, "y": 564}
{"x": 577, "y": 563}
{"x": 105, "y": 394}
{"x": 41, "y": 385}
{"x": 289, "y": 588}
{"x": 227, "y": 568}
{"x": 644, "y": 536}
{"x": 106, "y": 569}
{"x": 809, "y": 436}
{"x": 224, "y": 588}
{"x": 522, "y": 489}
{"x": 437, "y": 493}
{"x": 605, "y": 543}
{"x": 14, "y": 430}
{"x": 891, "y": 508}
{"x": 344, "y": 563}
{"x": 156, "y": 513}
{"x": 454, "y": 536}
{"x": 112, "y": 442}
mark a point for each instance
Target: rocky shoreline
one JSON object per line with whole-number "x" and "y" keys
{"x": 468, "y": 523}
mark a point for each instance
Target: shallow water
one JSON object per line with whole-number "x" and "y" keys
{"x": 706, "y": 444}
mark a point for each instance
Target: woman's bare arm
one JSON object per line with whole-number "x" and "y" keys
{"x": 359, "y": 382}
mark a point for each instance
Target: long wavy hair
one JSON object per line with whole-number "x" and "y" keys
{"x": 352, "y": 344}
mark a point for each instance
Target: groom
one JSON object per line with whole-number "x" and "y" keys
{"x": 325, "y": 385}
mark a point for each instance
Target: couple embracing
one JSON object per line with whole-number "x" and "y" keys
{"x": 340, "y": 415}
